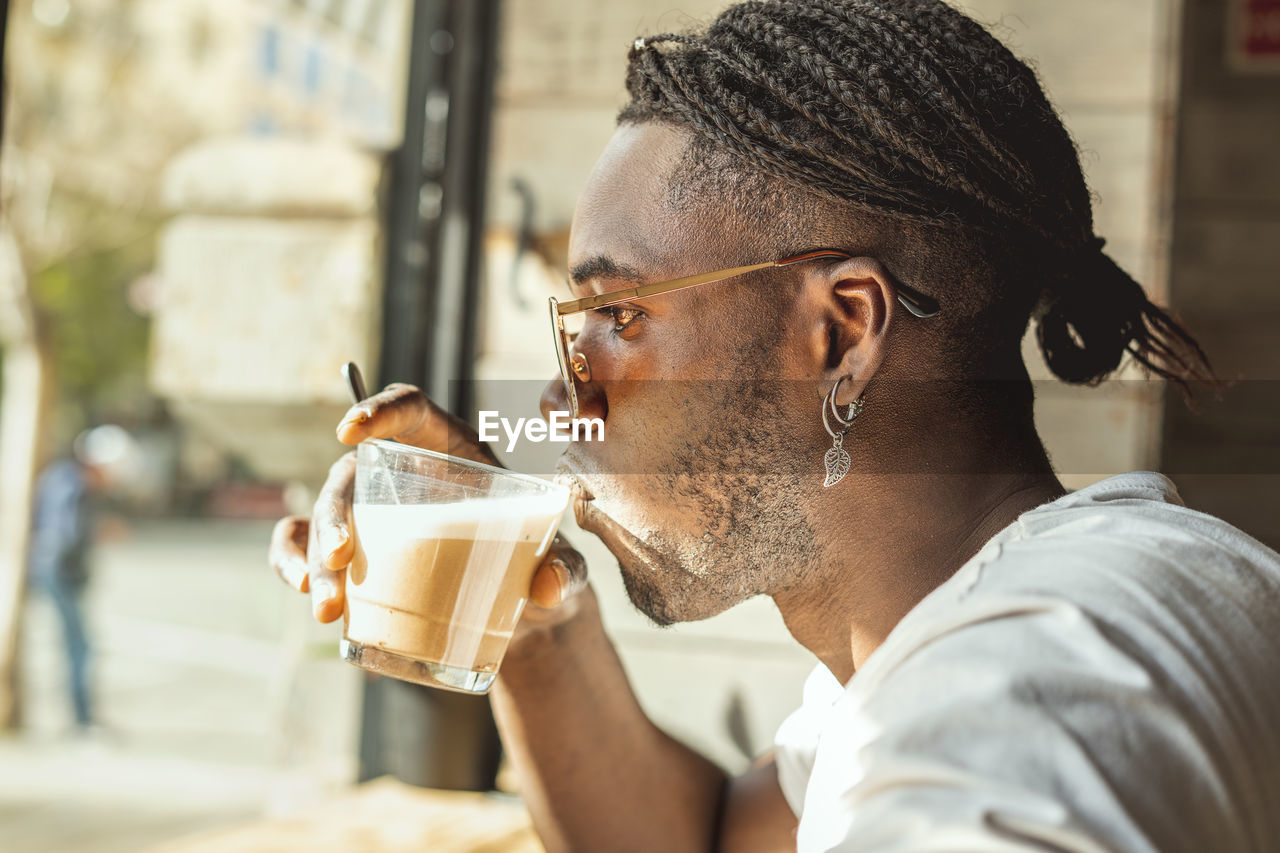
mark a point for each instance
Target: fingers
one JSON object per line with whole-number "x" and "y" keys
{"x": 327, "y": 594}
{"x": 311, "y": 554}
{"x": 288, "y": 552}
{"x": 330, "y": 547}
{"x": 404, "y": 413}
{"x": 395, "y": 412}
{"x": 399, "y": 411}
{"x": 332, "y": 514}
{"x": 562, "y": 573}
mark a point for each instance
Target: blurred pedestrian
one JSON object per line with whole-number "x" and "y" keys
{"x": 61, "y": 541}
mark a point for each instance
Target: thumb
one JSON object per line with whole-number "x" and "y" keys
{"x": 562, "y": 573}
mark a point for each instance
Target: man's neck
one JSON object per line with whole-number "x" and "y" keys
{"x": 891, "y": 539}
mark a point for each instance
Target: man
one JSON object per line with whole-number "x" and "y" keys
{"x": 849, "y": 431}
{"x": 62, "y": 534}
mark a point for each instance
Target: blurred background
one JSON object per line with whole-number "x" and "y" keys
{"x": 208, "y": 206}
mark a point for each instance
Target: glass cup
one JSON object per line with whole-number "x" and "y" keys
{"x": 445, "y": 551}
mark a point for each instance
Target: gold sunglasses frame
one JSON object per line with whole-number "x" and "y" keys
{"x": 916, "y": 303}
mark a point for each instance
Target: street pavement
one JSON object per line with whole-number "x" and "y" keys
{"x": 203, "y": 718}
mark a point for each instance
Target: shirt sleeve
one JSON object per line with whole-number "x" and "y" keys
{"x": 796, "y": 742}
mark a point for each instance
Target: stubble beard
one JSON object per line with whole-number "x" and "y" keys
{"x": 745, "y": 483}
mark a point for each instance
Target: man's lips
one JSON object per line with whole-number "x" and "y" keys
{"x": 615, "y": 537}
{"x": 567, "y": 475}
{"x": 579, "y": 492}
{"x": 591, "y": 518}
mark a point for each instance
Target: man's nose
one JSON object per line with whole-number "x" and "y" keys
{"x": 591, "y": 399}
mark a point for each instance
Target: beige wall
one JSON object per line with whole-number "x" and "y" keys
{"x": 1225, "y": 278}
{"x": 1105, "y": 65}
{"x": 1108, "y": 69}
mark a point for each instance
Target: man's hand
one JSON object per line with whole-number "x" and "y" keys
{"x": 585, "y": 750}
{"x": 312, "y": 554}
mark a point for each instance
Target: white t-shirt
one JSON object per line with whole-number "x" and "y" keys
{"x": 1103, "y": 675}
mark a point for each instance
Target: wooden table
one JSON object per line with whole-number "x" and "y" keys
{"x": 382, "y": 816}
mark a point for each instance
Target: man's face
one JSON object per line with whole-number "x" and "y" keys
{"x": 699, "y": 485}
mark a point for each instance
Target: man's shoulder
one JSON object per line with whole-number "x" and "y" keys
{"x": 1108, "y": 662}
{"x": 1118, "y": 615}
{"x": 1118, "y": 556}
{"x": 1100, "y": 598}
{"x": 1129, "y": 508}
{"x": 1104, "y": 664}
{"x": 1126, "y": 541}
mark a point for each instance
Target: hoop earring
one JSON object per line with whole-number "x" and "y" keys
{"x": 837, "y": 458}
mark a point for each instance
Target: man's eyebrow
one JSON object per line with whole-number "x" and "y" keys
{"x": 600, "y": 267}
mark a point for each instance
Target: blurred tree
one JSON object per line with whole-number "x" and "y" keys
{"x": 98, "y": 342}
{"x": 25, "y": 391}
{"x": 89, "y": 132}
{"x": 99, "y": 96}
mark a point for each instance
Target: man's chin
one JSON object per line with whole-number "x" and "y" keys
{"x": 663, "y": 606}
{"x": 648, "y": 599}
{"x": 657, "y": 584}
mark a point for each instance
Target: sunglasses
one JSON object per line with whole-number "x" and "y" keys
{"x": 567, "y": 318}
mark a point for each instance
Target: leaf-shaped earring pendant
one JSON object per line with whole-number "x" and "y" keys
{"x": 837, "y": 462}
{"x": 837, "y": 458}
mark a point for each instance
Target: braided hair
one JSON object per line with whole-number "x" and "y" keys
{"x": 910, "y": 110}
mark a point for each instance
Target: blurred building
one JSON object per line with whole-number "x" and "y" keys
{"x": 277, "y": 230}
{"x": 320, "y": 66}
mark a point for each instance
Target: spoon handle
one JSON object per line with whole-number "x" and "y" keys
{"x": 355, "y": 381}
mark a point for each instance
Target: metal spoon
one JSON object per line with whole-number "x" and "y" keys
{"x": 355, "y": 381}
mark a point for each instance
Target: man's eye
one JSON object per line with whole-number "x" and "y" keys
{"x": 621, "y": 315}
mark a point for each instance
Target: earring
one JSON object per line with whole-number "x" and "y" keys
{"x": 837, "y": 458}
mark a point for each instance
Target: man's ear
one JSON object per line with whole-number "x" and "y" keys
{"x": 859, "y": 306}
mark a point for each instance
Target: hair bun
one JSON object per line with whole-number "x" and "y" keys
{"x": 1093, "y": 314}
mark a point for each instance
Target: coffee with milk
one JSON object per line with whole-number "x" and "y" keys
{"x": 444, "y": 584}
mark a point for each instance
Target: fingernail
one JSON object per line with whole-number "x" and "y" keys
{"x": 321, "y": 610}
{"x": 335, "y": 537}
{"x": 564, "y": 579}
{"x": 358, "y": 417}
{"x": 352, "y": 420}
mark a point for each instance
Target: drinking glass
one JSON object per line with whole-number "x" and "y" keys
{"x": 445, "y": 551}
